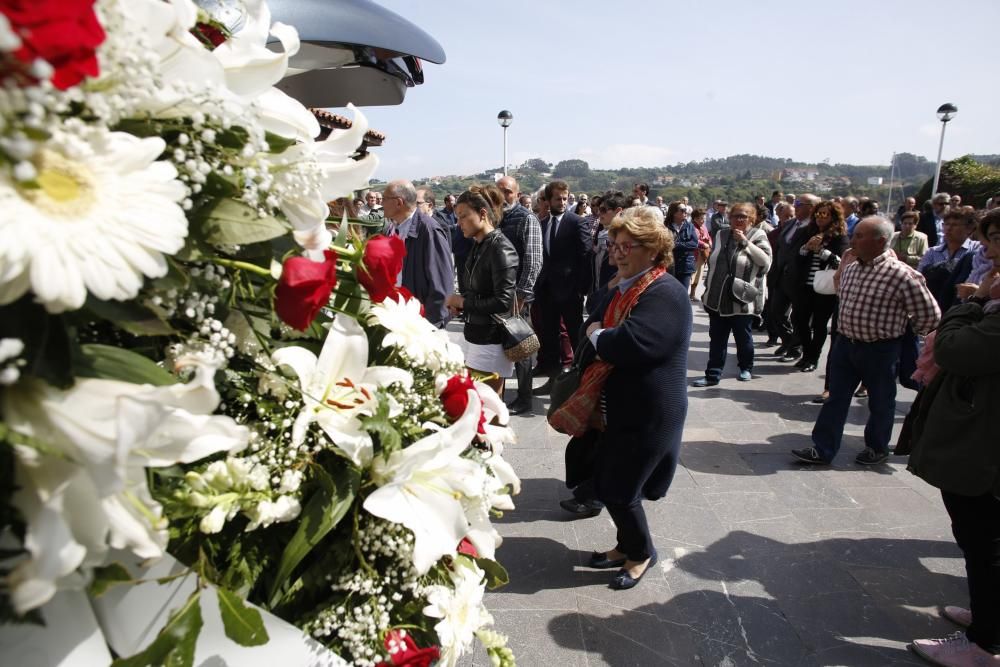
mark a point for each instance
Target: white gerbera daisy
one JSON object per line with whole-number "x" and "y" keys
{"x": 104, "y": 214}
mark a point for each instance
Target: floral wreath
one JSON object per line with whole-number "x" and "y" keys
{"x": 195, "y": 361}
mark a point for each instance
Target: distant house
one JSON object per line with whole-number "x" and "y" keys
{"x": 799, "y": 174}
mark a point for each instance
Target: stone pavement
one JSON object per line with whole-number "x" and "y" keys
{"x": 763, "y": 561}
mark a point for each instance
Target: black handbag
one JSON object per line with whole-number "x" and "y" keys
{"x": 568, "y": 380}
{"x": 519, "y": 339}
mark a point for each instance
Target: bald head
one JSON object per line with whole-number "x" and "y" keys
{"x": 508, "y": 186}
{"x": 871, "y": 237}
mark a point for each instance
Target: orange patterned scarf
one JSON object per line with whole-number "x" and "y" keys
{"x": 581, "y": 411}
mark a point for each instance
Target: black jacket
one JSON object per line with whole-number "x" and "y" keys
{"x": 490, "y": 274}
{"x": 797, "y": 271}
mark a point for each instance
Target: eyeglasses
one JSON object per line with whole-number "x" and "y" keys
{"x": 421, "y": 202}
{"x": 739, "y": 216}
{"x": 623, "y": 248}
{"x": 822, "y": 213}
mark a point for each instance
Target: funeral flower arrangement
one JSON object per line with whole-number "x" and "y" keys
{"x": 192, "y": 363}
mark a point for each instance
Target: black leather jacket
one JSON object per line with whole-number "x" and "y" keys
{"x": 490, "y": 275}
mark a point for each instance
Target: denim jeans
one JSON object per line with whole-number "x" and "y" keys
{"x": 851, "y": 362}
{"x": 719, "y": 329}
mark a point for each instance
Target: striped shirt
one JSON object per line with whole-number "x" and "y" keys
{"x": 878, "y": 299}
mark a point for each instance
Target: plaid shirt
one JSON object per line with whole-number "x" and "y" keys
{"x": 879, "y": 297}
{"x": 522, "y": 229}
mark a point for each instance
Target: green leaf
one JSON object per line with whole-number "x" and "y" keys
{"x": 243, "y": 624}
{"x": 48, "y": 343}
{"x": 233, "y": 222}
{"x": 277, "y": 143}
{"x": 233, "y": 137}
{"x": 174, "y": 646}
{"x": 496, "y": 575}
{"x": 333, "y": 497}
{"x": 130, "y": 316}
{"x": 379, "y": 425}
{"x": 115, "y": 363}
{"x": 106, "y": 577}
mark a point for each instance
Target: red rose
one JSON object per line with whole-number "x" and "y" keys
{"x": 304, "y": 288}
{"x": 63, "y": 33}
{"x": 455, "y": 399}
{"x": 468, "y": 548}
{"x": 380, "y": 266}
{"x": 407, "y": 652}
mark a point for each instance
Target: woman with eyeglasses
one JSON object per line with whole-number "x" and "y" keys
{"x": 734, "y": 292}
{"x": 634, "y": 392}
{"x": 817, "y": 247}
{"x": 490, "y": 274}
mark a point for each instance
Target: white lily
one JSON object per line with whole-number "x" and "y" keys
{"x": 422, "y": 486}
{"x": 90, "y": 490}
{"x": 338, "y": 387}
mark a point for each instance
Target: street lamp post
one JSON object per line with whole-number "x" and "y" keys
{"x": 505, "y": 118}
{"x": 945, "y": 113}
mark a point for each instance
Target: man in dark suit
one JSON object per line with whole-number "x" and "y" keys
{"x": 932, "y": 220}
{"x": 427, "y": 268}
{"x": 565, "y": 275}
{"x": 780, "y": 284}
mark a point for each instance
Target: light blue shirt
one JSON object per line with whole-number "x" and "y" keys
{"x": 939, "y": 254}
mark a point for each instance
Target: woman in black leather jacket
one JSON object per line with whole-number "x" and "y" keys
{"x": 490, "y": 275}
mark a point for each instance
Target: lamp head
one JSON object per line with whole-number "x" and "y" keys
{"x": 946, "y": 112}
{"x": 505, "y": 118}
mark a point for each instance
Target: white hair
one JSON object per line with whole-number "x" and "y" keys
{"x": 882, "y": 227}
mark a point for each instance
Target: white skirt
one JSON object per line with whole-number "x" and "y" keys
{"x": 488, "y": 358}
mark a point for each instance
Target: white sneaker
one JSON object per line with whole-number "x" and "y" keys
{"x": 954, "y": 651}
{"x": 958, "y": 615}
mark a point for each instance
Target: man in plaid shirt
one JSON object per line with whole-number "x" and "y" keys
{"x": 878, "y": 295}
{"x": 523, "y": 230}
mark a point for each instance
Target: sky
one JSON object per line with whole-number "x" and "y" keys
{"x": 654, "y": 83}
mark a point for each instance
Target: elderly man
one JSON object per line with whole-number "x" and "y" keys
{"x": 782, "y": 284}
{"x": 932, "y": 221}
{"x": 427, "y": 268}
{"x": 523, "y": 230}
{"x": 879, "y": 295}
{"x": 719, "y": 219}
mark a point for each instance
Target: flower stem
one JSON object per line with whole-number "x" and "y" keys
{"x": 357, "y": 546}
{"x": 242, "y": 266}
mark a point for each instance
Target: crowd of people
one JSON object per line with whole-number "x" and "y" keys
{"x": 609, "y": 279}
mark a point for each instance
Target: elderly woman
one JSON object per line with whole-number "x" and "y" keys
{"x": 685, "y": 242}
{"x": 909, "y": 244}
{"x": 490, "y": 273}
{"x": 734, "y": 292}
{"x": 820, "y": 245}
{"x": 634, "y": 393}
{"x": 956, "y": 451}
{"x": 704, "y": 248}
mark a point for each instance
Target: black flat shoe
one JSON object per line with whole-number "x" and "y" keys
{"x": 583, "y": 510}
{"x": 624, "y": 581}
{"x": 543, "y": 389}
{"x": 808, "y": 368}
{"x": 599, "y": 560}
{"x": 518, "y": 407}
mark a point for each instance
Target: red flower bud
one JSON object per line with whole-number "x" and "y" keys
{"x": 455, "y": 399}
{"x": 407, "y": 654}
{"x": 63, "y": 33}
{"x": 304, "y": 288}
{"x": 380, "y": 266}
{"x": 468, "y": 548}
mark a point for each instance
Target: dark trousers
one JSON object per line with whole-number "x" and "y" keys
{"x": 684, "y": 279}
{"x": 634, "y": 539}
{"x": 908, "y": 353}
{"x": 975, "y": 522}
{"x": 719, "y": 328}
{"x": 585, "y": 492}
{"x": 460, "y": 271}
{"x": 811, "y": 313}
{"x": 851, "y": 362}
{"x": 553, "y": 314}
{"x": 778, "y": 320}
